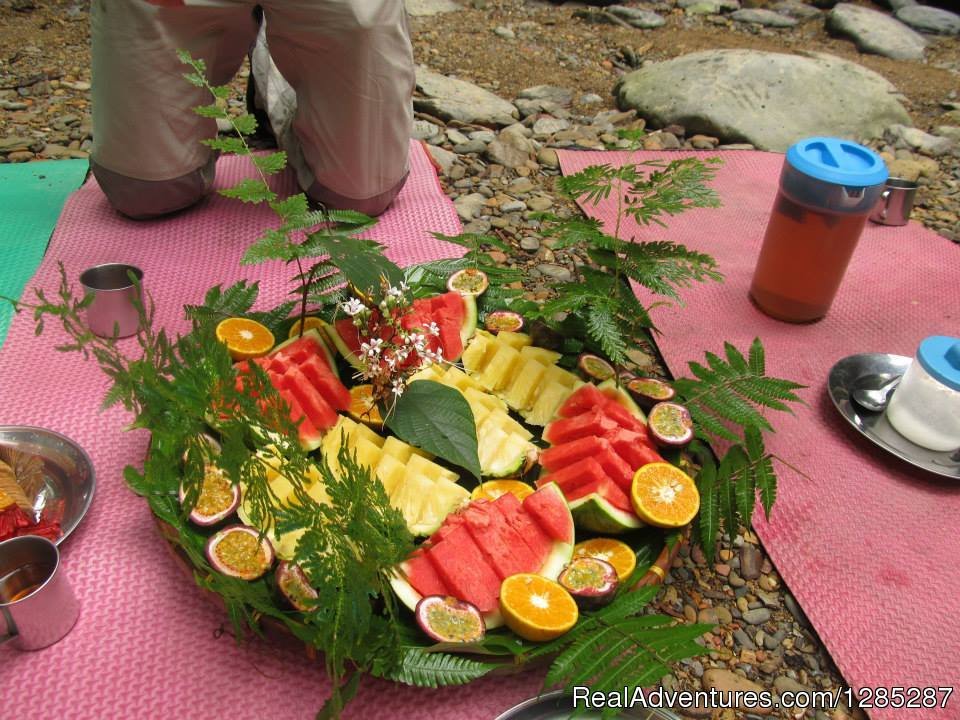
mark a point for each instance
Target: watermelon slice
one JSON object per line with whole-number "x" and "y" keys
{"x": 573, "y": 476}
{"x": 586, "y": 398}
{"x": 486, "y": 541}
{"x": 592, "y": 422}
{"x": 633, "y": 448}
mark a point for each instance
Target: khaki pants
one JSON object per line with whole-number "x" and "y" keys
{"x": 349, "y": 63}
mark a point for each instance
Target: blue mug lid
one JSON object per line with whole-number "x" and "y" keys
{"x": 841, "y": 162}
{"x": 939, "y": 355}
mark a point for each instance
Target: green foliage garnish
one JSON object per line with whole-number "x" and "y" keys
{"x": 726, "y": 398}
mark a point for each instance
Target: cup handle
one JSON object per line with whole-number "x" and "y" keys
{"x": 9, "y": 625}
{"x": 885, "y": 199}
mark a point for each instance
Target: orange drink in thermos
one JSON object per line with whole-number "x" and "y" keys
{"x": 828, "y": 187}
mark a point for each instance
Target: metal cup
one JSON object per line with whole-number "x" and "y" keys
{"x": 37, "y": 604}
{"x": 895, "y": 202}
{"x": 111, "y": 313}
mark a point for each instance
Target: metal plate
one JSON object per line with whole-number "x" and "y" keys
{"x": 874, "y": 425}
{"x": 558, "y": 705}
{"x": 67, "y": 472}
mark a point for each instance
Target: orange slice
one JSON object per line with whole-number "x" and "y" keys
{"x": 362, "y": 407}
{"x": 309, "y": 323}
{"x": 536, "y": 608}
{"x": 615, "y": 552}
{"x": 492, "y": 489}
{"x": 244, "y": 338}
{"x": 664, "y": 495}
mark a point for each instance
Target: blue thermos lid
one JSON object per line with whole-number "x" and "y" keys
{"x": 841, "y": 162}
{"x": 939, "y": 355}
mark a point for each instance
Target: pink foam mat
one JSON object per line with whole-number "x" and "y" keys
{"x": 867, "y": 544}
{"x": 146, "y": 645}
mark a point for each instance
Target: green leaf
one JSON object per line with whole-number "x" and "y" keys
{"x": 272, "y": 245}
{"x": 731, "y": 464}
{"x": 244, "y": 124}
{"x": 270, "y": 164}
{"x": 210, "y": 111}
{"x": 227, "y": 144}
{"x": 436, "y": 669}
{"x": 437, "y": 419}
{"x": 709, "y": 517}
{"x": 292, "y": 207}
{"x": 361, "y": 261}
{"x": 250, "y": 190}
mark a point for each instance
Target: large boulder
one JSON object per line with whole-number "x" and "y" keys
{"x": 930, "y": 19}
{"x": 452, "y": 99}
{"x": 768, "y": 99}
{"x": 875, "y": 32}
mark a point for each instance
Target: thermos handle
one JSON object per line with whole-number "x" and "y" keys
{"x": 885, "y": 200}
{"x": 8, "y": 625}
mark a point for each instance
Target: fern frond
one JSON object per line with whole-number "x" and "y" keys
{"x": 436, "y": 669}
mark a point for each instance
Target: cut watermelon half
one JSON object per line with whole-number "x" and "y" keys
{"x": 477, "y": 547}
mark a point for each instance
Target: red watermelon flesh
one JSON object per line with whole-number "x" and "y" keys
{"x": 461, "y": 568}
{"x": 594, "y": 422}
{"x": 623, "y": 417}
{"x": 549, "y": 509}
{"x": 586, "y": 398}
{"x": 451, "y": 522}
{"x": 422, "y": 575}
{"x": 349, "y": 333}
{"x": 334, "y": 392}
{"x": 558, "y": 457}
{"x": 307, "y": 432}
{"x": 572, "y": 476}
{"x": 502, "y": 548}
{"x": 616, "y": 468}
{"x": 527, "y": 530}
{"x": 605, "y": 488}
{"x": 633, "y": 448}
{"x": 310, "y": 399}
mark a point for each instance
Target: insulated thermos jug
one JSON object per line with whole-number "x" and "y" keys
{"x": 828, "y": 187}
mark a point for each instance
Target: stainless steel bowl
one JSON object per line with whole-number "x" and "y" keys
{"x": 67, "y": 471}
{"x": 558, "y": 705}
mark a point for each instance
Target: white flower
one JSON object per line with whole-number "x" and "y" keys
{"x": 398, "y": 387}
{"x": 353, "y": 307}
{"x": 373, "y": 348}
{"x": 433, "y": 328}
{"x": 393, "y": 292}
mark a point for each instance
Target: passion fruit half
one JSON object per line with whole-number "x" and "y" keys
{"x": 595, "y": 367}
{"x": 447, "y": 619}
{"x": 591, "y": 581}
{"x": 649, "y": 391}
{"x": 468, "y": 281}
{"x": 503, "y": 321}
{"x": 218, "y": 499}
{"x": 294, "y": 586}
{"x": 670, "y": 424}
{"x": 240, "y": 552}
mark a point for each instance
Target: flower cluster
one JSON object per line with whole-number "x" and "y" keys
{"x": 392, "y": 348}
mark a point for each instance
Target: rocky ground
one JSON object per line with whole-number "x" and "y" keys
{"x": 498, "y": 164}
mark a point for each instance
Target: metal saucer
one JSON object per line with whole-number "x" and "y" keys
{"x": 67, "y": 471}
{"x": 873, "y": 425}
{"x": 558, "y": 705}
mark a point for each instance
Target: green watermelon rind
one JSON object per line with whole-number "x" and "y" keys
{"x": 342, "y": 347}
{"x": 593, "y": 512}
{"x": 469, "y": 325}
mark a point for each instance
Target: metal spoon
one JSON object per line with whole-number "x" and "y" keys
{"x": 872, "y": 392}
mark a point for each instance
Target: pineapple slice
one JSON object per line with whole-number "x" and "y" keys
{"x": 368, "y": 453}
{"x": 522, "y": 392}
{"x": 430, "y": 469}
{"x": 409, "y": 495}
{"x": 484, "y": 399}
{"x": 455, "y": 377}
{"x": 390, "y": 471}
{"x": 478, "y": 352}
{"x": 549, "y": 398}
{"x": 362, "y": 431}
{"x": 488, "y": 444}
{"x": 547, "y": 357}
{"x": 442, "y": 500}
{"x": 398, "y": 449}
{"x": 509, "y": 425}
{"x": 497, "y": 373}
{"x": 515, "y": 340}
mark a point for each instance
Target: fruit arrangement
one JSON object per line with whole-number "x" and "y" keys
{"x": 564, "y": 455}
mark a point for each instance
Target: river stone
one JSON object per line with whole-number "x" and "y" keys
{"x": 875, "y": 32}
{"x": 930, "y": 19}
{"x": 918, "y": 140}
{"x": 452, "y": 99}
{"x": 720, "y": 5}
{"x": 763, "y": 17}
{"x": 444, "y": 158}
{"x": 769, "y": 100}
{"x": 469, "y": 206}
{"x": 423, "y": 8}
{"x": 552, "y": 93}
{"x": 796, "y": 9}
{"x": 727, "y": 681}
{"x": 638, "y": 18}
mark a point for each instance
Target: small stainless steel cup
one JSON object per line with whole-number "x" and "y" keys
{"x": 111, "y": 313}
{"x": 37, "y": 604}
{"x": 895, "y": 202}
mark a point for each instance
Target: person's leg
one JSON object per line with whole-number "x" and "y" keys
{"x": 350, "y": 63}
{"x": 147, "y": 155}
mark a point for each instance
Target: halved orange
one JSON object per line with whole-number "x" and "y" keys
{"x": 536, "y": 608}
{"x": 664, "y": 495}
{"x": 244, "y": 338}
{"x": 492, "y": 489}
{"x": 362, "y": 407}
{"x": 309, "y": 323}
{"x": 615, "y": 552}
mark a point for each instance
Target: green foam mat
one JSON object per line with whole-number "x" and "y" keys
{"x": 31, "y": 197}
